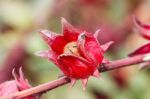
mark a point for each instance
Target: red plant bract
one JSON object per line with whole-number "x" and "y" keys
{"x": 77, "y": 53}
{"x": 143, "y": 29}
{"x": 11, "y": 87}
{"x": 142, "y": 50}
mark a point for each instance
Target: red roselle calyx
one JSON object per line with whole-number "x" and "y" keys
{"x": 77, "y": 53}
{"x": 9, "y": 88}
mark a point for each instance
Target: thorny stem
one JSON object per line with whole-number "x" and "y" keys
{"x": 64, "y": 80}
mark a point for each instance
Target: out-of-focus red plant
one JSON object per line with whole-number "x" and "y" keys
{"x": 9, "y": 88}
{"x": 143, "y": 29}
{"x": 121, "y": 77}
{"x": 118, "y": 34}
{"x": 77, "y": 53}
{"x": 141, "y": 50}
{"x": 13, "y": 60}
{"x": 94, "y": 2}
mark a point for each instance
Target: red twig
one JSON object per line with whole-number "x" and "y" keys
{"x": 122, "y": 63}
{"x": 64, "y": 80}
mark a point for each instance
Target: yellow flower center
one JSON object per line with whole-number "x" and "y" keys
{"x": 71, "y": 48}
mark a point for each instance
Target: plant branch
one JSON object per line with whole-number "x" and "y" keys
{"x": 64, "y": 80}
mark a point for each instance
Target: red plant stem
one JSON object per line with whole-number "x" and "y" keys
{"x": 64, "y": 80}
{"x": 42, "y": 88}
{"x": 122, "y": 63}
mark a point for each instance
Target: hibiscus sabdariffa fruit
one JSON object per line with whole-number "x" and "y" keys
{"x": 77, "y": 53}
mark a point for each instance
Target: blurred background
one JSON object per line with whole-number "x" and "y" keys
{"x": 19, "y": 40}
